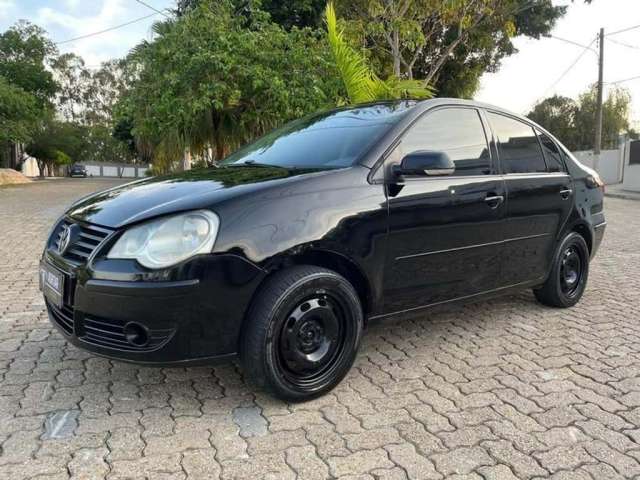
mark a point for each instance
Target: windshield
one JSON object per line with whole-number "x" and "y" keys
{"x": 328, "y": 140}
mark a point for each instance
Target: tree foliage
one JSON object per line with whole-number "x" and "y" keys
{"x": 361, "y": 83}
{"x": 18, "y": 113}
{"x": 574, "y": 121}
{"x": 26, "y": 85}
{"x": 55, "y": 143}
{"x": 215, "y": 79}
{"x": 25, "y": 54}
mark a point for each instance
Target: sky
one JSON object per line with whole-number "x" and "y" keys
{"x": 530, "y": 75}
{"x": 66, "y": 19}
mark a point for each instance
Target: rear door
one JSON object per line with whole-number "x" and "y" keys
{"x": 445, "y": 232}
{"x": 539, "y": 198}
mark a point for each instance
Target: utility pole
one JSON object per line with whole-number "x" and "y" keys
{"x": 598, "y": 139}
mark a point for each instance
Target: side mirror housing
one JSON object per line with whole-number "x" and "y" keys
{"x": 425, "y": 163}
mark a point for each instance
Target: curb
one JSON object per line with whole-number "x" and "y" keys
{"x": 624, "y": 196}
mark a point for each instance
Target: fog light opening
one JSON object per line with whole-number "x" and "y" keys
{"x": 136, "y": 334}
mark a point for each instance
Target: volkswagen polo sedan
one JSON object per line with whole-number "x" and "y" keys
{"x": 283, "y": 254}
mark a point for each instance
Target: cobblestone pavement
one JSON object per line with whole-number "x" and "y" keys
{"x": 495, "y": 390}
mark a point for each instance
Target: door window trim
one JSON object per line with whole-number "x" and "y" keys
{"x": 383, "y": 163}
{"x": 535, "y": 131}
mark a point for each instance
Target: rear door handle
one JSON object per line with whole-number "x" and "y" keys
{"x": 494, "y": 201}
{"x": 566, "y": 193}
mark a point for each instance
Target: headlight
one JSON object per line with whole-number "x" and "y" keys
{"x": 170, "y": 240}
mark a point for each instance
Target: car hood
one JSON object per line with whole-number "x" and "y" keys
{"x": 203, "y": 188}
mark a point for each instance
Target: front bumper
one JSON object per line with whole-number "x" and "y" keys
{"x": 195, "y": 320}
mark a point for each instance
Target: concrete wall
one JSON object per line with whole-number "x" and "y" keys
{"x": 115, "y": 170}
{"x": 610, "y": 166}
{"x": 30, "y": 168}
{"x": 631, "y": 173}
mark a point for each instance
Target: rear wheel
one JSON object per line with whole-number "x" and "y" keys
{"x": 569, "y": 273}
{"x": 302, "y": 333}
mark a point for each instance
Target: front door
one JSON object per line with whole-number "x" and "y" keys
{"x": 445, "y": 233}
{"x": 539, "y": 198}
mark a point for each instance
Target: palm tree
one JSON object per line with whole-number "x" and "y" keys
{"x": 361, "y": 83}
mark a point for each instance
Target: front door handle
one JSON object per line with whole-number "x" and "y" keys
{"x": 566, "y": 193}
{"x": 494, "y": 201}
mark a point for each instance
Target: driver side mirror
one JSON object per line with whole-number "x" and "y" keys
{"x": 425, "y": 163}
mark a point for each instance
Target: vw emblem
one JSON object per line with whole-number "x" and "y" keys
{"x": 65, "y": 239}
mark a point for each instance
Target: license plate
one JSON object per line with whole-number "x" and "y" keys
{"x": 52, "y": 284}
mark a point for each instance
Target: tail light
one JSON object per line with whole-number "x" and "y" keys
{"x": 594, "y": 181}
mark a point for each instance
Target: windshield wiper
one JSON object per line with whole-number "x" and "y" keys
{"x": 253, "y": 163}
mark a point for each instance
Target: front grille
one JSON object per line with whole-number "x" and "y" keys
{"x": 84, "y": 240}
{"x": 108, "y": 333}
{"x": 62, "y": 316}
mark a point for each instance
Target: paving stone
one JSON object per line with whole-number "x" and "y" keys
{"x": 359, "y": 462}
{"x": 305, "y": 462}
{"x": 250, "y": 421}
{"x": 372, "y": 439}
{"x": 60, "y": 424}
{"x": 500, "y": 389}
{"x": 462, "y": 460}
{"x": 415, "y": 465}
{"x": 276, "y": 442}
{"x": 201, "y": 464}
{"x": 564, "y": 458}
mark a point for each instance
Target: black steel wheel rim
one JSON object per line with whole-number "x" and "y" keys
{"x": 312, "y": 341}
{"x": 571, "y": 271}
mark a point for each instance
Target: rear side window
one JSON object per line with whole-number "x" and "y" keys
{"x": 517, "y": 144}
{"x": 551, "y": 153}
{"x": 456, "y": 131}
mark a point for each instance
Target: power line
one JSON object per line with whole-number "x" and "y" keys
{"x": 575, "y": 62}
{"x": 624, "y": 80}
{"x": 571, "y": 42}
{"x": 115, "y": 27}
{"x": 152, "y": 8}
{"x": 635, "y": 47}
{"x": 623, "y": 30}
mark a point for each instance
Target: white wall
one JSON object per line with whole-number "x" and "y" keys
{"x": 609, "y": 166}
{"x": 93, "y": 170}
{"x": 30, "y": 168}
{"x": 631, "y": 173}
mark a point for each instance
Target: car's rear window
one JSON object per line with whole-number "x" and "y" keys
{"x": 328, "y": 140}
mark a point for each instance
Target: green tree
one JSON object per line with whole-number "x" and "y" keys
{"x": 574, "y": 122}
{"x": 615, "y": 118}
{"x": 361, "y": 83}
{"x": 420, "y": 37}
{"x": 25, "y": 54}
{"x": 558, "y": 115}
{"x": 18, "y": 113}
{"x": 55, "y": 143}
{"x": 26, "y": 86}
{"x": 297, "y": 13}
{"x": 213, "y": 79}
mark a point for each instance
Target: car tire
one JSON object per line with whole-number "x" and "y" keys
{"x": 302, "y": 333}
{"x": 569, "y": 273}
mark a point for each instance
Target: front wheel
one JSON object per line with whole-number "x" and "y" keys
{"x": 302, "y": 333}
{"x": 568, "y": 278}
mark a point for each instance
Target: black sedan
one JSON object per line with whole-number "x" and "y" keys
{"x": 78, "y": 170}
{"x": 284, "y": 253}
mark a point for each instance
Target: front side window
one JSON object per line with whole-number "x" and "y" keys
{"x": 458, "y": 132}
{"x": 551, "y": 153}
{"x": 517, "y": 144}
{"x": 333, "y": 139}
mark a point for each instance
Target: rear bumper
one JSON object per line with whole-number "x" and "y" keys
{"x": 165, "y": 323}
